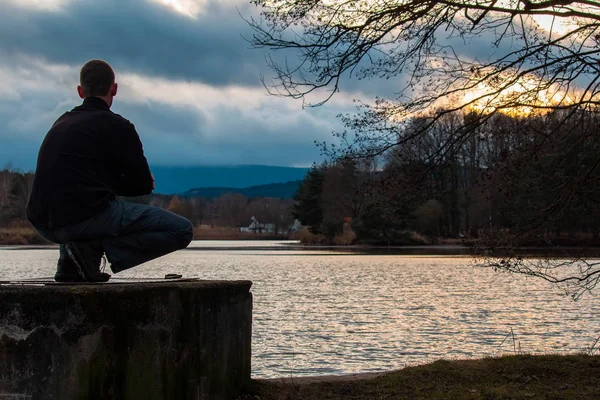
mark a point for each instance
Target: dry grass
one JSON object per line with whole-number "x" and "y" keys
{"x": 346, "y": 238}
{"x": 25, "y": 234}
{"x": 453, "y": 241}
{"x": 419, "y": 239}
{"x": 306, "y": 237}
{"x": 512, "y": 377}
{"x": 20, "y": 235}
{"x": 229, "y": 233}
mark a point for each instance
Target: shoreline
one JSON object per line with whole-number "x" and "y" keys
{"x": 442, "y": 250}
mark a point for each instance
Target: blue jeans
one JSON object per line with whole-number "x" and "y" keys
{"x": 130, "y": 234}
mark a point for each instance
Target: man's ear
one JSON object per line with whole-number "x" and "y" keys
{"x": 114, "y": 89}
{"x": 80, "y": 92}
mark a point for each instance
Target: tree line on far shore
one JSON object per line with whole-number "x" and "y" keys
{"x": 227, "y": 210}
{"x": 517, "y": 180}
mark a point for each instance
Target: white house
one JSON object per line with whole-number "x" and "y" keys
{"x": 254, "y": 227}
{"x": 257, "y": 227}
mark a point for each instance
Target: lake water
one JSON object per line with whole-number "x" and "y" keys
{"x": 327, "y": 312}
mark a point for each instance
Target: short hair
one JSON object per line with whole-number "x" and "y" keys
{"x": 96, "y": 78}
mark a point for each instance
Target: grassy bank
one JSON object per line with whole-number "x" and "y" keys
{"x": 511, "y": 377}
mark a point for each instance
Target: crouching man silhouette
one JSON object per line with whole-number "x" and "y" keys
{"x": 89, "y": 156}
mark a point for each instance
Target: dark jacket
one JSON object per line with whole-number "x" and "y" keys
{"x": 89, "y": 156}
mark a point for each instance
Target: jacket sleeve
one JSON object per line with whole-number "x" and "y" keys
{"x": 135, "y": 178}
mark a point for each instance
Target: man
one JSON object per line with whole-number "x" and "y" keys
{"x": 90, "y": 156}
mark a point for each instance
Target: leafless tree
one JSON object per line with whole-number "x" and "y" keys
{"x": 230, "y": 209}
{"x": 544, "y": 55}
{"x": 423, "y": 39}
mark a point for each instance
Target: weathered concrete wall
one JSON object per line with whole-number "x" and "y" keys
{"x": 125, "y": 341}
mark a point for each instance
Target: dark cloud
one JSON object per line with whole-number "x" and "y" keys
{"x": 144, "y": 38}
{"x": 147, "y": 38}
{"x": 182, "y": 137}
{"x": 138, "y": 36}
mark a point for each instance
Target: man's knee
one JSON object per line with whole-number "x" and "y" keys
{"x": 186, "y": 234}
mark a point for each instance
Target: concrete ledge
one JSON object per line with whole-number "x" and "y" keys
{"x": 172, "y": 340}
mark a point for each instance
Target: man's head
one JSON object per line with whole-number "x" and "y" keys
{"x": 97, "y": 79}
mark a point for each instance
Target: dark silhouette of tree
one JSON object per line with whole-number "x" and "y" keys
{"x": 307, "y": 200}
{"x": 386, "y": 217}
{"x": 340, "y": 200}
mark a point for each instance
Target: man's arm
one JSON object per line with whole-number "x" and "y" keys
{"x": 135, "y": 177}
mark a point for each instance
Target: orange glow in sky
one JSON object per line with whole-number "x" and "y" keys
{"x": 526, "y": 91}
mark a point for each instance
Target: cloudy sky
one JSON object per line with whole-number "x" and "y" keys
{"x": 187, "y": 78}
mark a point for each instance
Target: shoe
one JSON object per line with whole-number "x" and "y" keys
{"x": 66, "y": 271}
{"x": 87, "y": 261}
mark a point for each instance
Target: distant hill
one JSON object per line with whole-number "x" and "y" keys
{"x": 278, "y": 190}
{"x": 178, "y": 180}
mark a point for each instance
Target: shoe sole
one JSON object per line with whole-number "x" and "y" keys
{"x": 59, "y": 277}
